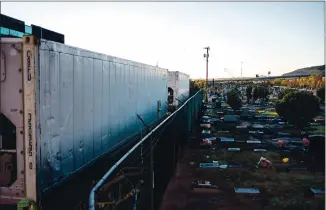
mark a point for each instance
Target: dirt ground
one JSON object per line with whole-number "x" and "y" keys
{"x": 278, "y": 188}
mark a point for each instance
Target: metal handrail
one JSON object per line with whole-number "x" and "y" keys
{"x": 107, "y": 174}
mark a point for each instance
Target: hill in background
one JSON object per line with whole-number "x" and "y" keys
{"x": 308, "y": 71}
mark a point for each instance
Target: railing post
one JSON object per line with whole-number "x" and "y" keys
{"x": 151, "y": 171}
{"x": 159, "y": 107}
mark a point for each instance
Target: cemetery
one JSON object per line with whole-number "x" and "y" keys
{"x": 250, "y": 158}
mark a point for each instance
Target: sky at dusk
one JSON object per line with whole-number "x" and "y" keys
{"x": 265, "y": 36}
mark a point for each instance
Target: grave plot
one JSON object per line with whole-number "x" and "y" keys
{"x": 244, "y": 145}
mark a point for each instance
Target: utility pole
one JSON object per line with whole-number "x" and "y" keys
{"x": 206, "y": 55}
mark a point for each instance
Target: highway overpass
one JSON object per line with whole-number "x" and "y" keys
{"x": 255, "y": 78}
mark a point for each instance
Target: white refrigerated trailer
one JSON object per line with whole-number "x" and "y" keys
{"x": 62, "y": 107}
{"x": 178, "y": 87}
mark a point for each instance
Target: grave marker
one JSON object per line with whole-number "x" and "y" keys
{"x": 234, "y": 149}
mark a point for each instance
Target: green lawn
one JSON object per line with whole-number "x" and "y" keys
{"x": 272, "y": 113}
{"x": 273, "y": 100}
{"x": 315, "y": 129}
{"x": 267, "y": 113}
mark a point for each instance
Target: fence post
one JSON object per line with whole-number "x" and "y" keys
{"x": 159, "y": 107}
{"x": 151, "y": 171}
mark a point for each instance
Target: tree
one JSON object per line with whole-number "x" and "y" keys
{"x": 266, "y": 92}
{"x": 255, "y": 94}
{"x": 298, "y": 108}
{"x": 200, "y": 83}
{"x": 261, "y": 92}
{"x": 320, "y": 84}
{"x": 192, "y": 84}
{"x": 317, "y": 151}
{"x": 277, "y": 82}
{"x": 249, "y": 92}
{"x": 284, "y": 83}
{"x": 234, "y": 99}
{"x": 321, "y": 94}
{"x": 284, "y": 92}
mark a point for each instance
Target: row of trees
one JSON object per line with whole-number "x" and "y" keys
{"x": 197, "y": 83}
{"x": 256, "y": 92}
{"x": 201, "y": 83}
{"x": 296, "y": 107}
{"x": 252, "y": 92}
{"x": 312, "y": 82}
{"x": 320, "y": 93}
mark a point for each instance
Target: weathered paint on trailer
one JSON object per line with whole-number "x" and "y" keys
{"x": 90, "y": 103}
{"x": 11, "y": 105}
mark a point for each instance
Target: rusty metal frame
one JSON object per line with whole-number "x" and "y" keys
{"x": 121, "y": 175}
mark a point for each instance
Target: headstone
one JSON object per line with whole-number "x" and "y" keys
{"x": 246, "y": 190}
{"x": 253, "y": 142}
{"x": 234, "y": 149}
{"x": 259, "y": 150}
{"x": 209, "y": 165}
{"x": 210, "y": 139}
{"x": 318, "y": 193}
{"x": 206, "y": 132}
{"x": 224, "y": 139}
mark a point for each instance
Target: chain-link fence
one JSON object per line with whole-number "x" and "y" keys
{"x": 138, "y": 180}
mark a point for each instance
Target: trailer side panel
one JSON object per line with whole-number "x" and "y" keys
{"x": 89, "y": 104}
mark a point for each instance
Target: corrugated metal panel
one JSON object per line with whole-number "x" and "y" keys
{"x": 78, "y": 96}
{"x": 65, "y": 93}
{"x": 88, "y": 109}
{"x": 97, "y": 94}
{"x": 89, "y": 103}
{"x": 105, "y": 107}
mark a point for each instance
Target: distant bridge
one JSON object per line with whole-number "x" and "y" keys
{"x": 218, "y": 80}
